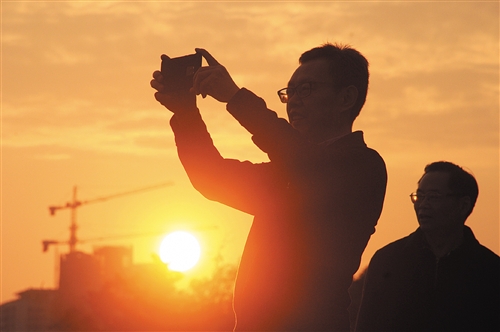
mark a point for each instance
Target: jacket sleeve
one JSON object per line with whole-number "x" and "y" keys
{"x": 240, "y": 184}
{"x": 273, "y": 135}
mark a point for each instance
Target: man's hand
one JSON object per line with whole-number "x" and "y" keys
{"x": 176, "y": 102}
{"x": 213, "y": 80}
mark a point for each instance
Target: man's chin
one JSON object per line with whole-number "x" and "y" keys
{"x": 426, "y": 223}
{"x": 300, "y": 126}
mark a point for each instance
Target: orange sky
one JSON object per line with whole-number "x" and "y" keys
{"x": 77, "y": 109}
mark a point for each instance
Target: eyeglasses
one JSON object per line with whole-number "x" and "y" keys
{"x": 431, "y": 197}
{"x": 303, "y": 90}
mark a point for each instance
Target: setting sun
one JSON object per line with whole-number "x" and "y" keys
{"x": 180, "y": 251}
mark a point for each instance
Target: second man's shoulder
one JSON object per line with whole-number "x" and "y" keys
{"x": 396, "y": 248}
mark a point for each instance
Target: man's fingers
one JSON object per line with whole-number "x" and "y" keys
{"x": 201, "y": 77}
{"x": 156, "y": 85}
{"x": 157, "y": 75}
{"x": 210, "y": 59}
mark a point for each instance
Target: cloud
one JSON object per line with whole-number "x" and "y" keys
{"x": 76, "y": 68}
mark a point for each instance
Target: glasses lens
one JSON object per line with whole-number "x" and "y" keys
{"x": 304, "y": 90}
{"x": 283, "y": 94}
{"x": 414, "y": 197}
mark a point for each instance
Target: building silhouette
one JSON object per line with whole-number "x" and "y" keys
{"x": 105, "y": 291}
{"x": 80, "y": 274}
{"x": 32, "y": 311}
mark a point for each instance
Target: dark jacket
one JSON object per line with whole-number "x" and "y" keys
{"x": 408, "y": 289}
{"x": 315, "y": 208}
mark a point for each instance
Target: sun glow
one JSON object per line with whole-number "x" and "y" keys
{"x": 180, "y": 251}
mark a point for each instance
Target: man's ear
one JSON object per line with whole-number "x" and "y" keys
{"x": 465, "y": 205}
{"x": 349, "y": 97}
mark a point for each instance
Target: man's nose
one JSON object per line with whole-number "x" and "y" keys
{"x": 422, "y": 202}
{"x": 293, "y": 100}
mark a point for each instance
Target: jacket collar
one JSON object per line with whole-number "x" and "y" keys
{"x": 417, "y": 240}
{"x": 353, "y": 139}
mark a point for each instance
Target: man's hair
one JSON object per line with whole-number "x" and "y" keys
{"x": 347, "y": 67}
{"x": 460, "y": 181}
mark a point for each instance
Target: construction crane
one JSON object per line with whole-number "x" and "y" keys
{"x": 75, "y": 203}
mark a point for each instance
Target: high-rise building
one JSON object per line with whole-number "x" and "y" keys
{"x": 32, "y": 311}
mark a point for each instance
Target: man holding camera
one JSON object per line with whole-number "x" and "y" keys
{"x": 439, "y": 278}
{"x": 315, "y": 204}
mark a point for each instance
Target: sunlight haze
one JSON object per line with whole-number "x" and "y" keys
{"x": 78, "y": 110}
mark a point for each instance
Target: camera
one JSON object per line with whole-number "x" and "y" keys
{"x": 178, "y": 72}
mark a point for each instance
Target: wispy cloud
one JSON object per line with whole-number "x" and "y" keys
{"x": 87, "y": 65}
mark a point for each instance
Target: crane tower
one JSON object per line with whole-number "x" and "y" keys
{"x": 75, "y": 203}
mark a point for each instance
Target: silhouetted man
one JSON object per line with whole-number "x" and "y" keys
{"x": 438, "y": 278}
{"x": 315, "y": 204}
